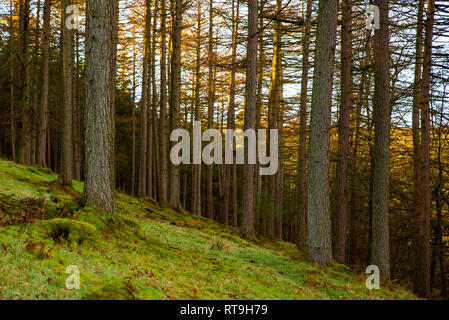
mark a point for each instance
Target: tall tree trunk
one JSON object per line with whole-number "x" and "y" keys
{"x": 302, "y": 177}
{"x": 422, "y": 267}
{"x": 196, "y": 194}
{"x": 23, "y": 82}
{"x": 133, "y": 116}
{"x": 100, "y": 62}
{"x": 34, "y": 127}
{"x": 343, "y": 131}
{"x": 230, "y": 122}
{"x": 274, "y": 105}
{"x": 259, "y": 214}
{"x": 76, "y": 113}
{"x": 175, "y": 98}
{"x": 163, "y": 105}
{"x": 247, "y": 225}
{"x": 354, "y": 204}
{"x": 210, "y": 110}
{"x": 439, "y": 250}
{"x": 156, "y": 157}
{"x": 318, "y": 222}
{"x": 380, "y": 255}
{"x": 67, "y": 113}
{"x": 417, "y": 158}
{"x": 11, "y": 85}
{"x": 143, "y": 151}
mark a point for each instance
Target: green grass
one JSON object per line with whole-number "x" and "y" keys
{"x": 146, "y": 252}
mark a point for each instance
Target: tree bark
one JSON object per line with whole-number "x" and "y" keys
{"x": 247, "y": 225}
{"x": 230, "y": 122}
{"x": 275, "y": 114}
{"x": 23, "y": 83}
{"x": 196, "y": 194}
{"x": 210, "y": 110}
{"x": 302, "y": 177}
{"x": 163, "y": 192}
{"x": 11, "y": 85}
{"x": 175, "y": 99}
{"x": 343, "y": 131}
{"x": 143, "y": 150}
{"x": 423, "y": 252}
{"x": 100, "y": 71}
{"x": 380, "y": 255}
{"x": 318, "y": 222}
{"x": 67, "y": 113}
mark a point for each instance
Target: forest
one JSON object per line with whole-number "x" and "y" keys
{"x": 320, "y": 124}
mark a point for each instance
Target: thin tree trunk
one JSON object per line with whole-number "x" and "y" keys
{"x": 302, "y": 176}
{"x": 354, "y": 204}
{"x": 422, "y": 268}
{"x": 67, "y": 113}
{"x": 247, "y": 225}
{"x": 210, "y": 110}
{"x": 196, "y": 194}
{"x": 380, "y": 255}
{"x": 417, "y": 157}
{"x": 76, "y": 114}
{"x": 230, "y": 122}
{"x": 156, "y": 156}
{"x": 11, "y": 85}
{"x": 163, "y": 108}
{"x": 23, "y": 82}
{"x": 343, "y": 131}
{"x": 175, "y": 98}
{"x": 275, "y": 114}
{"x": 133, "y": 115}
{"x": 143, "y": 151}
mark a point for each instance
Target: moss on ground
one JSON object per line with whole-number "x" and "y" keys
{"x": 147, "y": 252}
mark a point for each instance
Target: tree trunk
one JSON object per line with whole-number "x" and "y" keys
{"x": 319, "y": 224}
{"x": 210, "y": 110}
{"x": 247, "y": 225}
{"x": 133, "y": 116}
{"x": 274, "y": 105}
{"x": 380, "y": 255}
{"x": 343, "y": 131}
{"x": 156, "y": 157}
{"x": 175, "y": 98}
{"x": 354, "y": 204}
{"x": 422, "y": 267}
{"x": 100, "y": 62}
{"x": 76, "y": 114}
{"x": 196, "y": 194}
{"x": 23, "y": 83}
{"x": 163, "y": 105}
{"x": 11, "y": 85}
{"x": 302, "y": 177}
{"x": 143, "y": 151}
{"x": 230, "y": 122}
{"x": 67, "y": 113}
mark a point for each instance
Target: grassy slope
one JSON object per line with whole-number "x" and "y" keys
{"x": 146, "y": 253}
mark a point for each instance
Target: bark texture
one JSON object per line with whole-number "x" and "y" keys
{"x": 100, "y": 71}
{"x": 318, "y": 221}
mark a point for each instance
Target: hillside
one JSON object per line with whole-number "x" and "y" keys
{"x": 146, "y": 252}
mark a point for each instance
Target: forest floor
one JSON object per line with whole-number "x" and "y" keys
{"x": 147, "y": 252}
